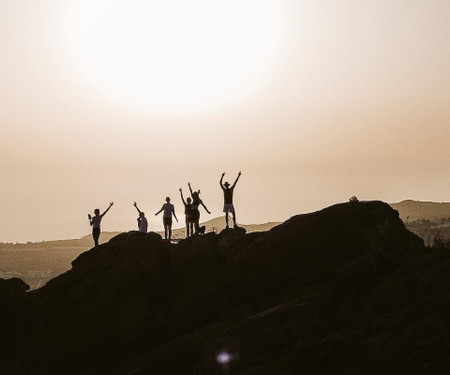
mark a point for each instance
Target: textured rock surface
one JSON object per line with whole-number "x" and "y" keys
{"x": 12, "y": 293}
{"x": 344, "y": 290}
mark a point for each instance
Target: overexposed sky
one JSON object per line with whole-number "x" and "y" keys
{"x": 315, "y": 101}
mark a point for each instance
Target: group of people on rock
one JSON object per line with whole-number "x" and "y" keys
{"x": 191, "y": 211}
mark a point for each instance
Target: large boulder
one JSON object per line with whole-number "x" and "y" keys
{"x": 351, "y": 243}
{"x": 113, "y": 299}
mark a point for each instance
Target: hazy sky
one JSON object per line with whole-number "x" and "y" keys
{"x": 315, "y": 101}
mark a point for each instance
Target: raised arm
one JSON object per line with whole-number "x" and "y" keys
{"x": 182, "y": 198}
{"x": 221, "y": 181}
{"x": 237, "y": 179}
{"x": 135, "y": 205}
{"x": 90, "y": 219}
{"x": 110, "y": 205}
{"x": 190, "y": 188}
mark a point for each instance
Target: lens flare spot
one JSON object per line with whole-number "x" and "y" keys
{"x": 224, "y": 358}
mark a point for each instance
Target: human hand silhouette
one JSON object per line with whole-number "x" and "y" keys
{"x": 180, "y": 189}
{"x": 89, "y": 216}
{"x": 111, "y": 203}
{"x": 240, "y": 173}
{"x": 134, "y": 204}
{"x": 223, "y": 174}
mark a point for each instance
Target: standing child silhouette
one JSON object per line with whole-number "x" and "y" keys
{"x": 95, "y": 222}
{"x": 228, "y": 198}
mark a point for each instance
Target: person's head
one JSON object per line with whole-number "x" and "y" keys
{"x": 167, "y": 199}
{"x": 141, "y": 214}
{"x": 97, "y": 212}
{"x": 189, "y": 200}
{"x": 226, "y": 184}
{"x": 194, "y": 194}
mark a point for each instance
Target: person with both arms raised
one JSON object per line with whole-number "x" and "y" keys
{"x": 228, "y": 198}
{"x": 196, "y": 202}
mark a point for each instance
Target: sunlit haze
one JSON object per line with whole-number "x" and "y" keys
{"x": 314, "y": 101}
{"x": 182, "y": 56}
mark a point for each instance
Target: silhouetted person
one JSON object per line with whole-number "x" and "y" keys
{"x": 188, "y": 214}
{"x": 169, "y": 210}
{"x": 196, "y": 202}
{"x": 142, "y": 220}
{"x": 228, "y": 198}
{"x": 95, "y": 222}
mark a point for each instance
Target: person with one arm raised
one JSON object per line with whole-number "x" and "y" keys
{"x": 169, "y": 210}
{"x": 94, "y": 221}
{"x": 188, "y": 214}
{"x": 228, "y": 198}
{"x": 196, "y": 202}
{"x": 142, "y": 220}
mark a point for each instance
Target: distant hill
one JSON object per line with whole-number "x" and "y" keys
{"x": 428, "y": 220}
{"x": 38, "y": 262}
{"x": 417, "y": 210}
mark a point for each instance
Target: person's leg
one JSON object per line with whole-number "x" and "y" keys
{"x": 165, "y": 228}
{"x": 232, "y": 211}
{"x": 96, "y": 235}
{"x": 170, "y": 230}
{"x": 188, "y": 228}
{"x": 226, "y": 219}
{"x": 196, "y": 220}
{"x": 196, "y": 226}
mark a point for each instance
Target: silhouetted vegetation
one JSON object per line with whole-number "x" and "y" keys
{"x": 441, "y": 243}
{"x": 431, "y": 230}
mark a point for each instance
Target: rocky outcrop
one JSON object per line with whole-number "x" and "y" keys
{"x": 344, "y": 290}
{"x": 12, "y": 293}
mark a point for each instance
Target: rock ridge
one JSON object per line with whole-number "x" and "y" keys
{"x": 347, "y": 289}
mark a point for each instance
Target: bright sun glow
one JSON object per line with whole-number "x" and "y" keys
{"x": 175, "y": 55}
